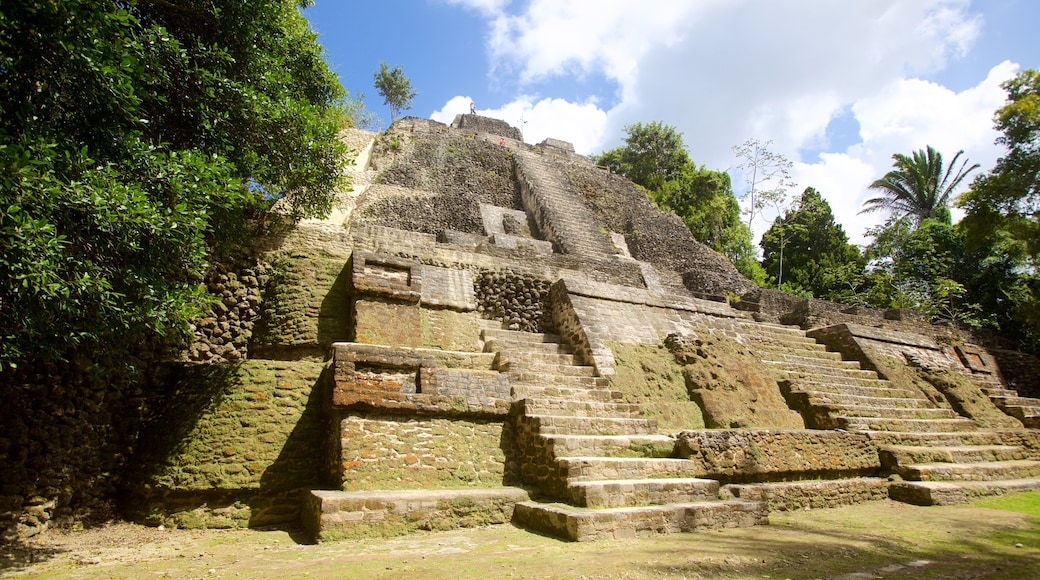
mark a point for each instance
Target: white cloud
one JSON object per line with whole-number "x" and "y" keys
{"x": 582, "y": 124}
{"x": 723, "y": 71}
{"x": 905, "y": 116}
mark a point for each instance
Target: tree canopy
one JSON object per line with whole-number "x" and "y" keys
{"x": 655, "y": 157}
{"x": 136, "y": 139}
{"x": 807, "y": 251}
{"x": 1001, "y": 226}
{"x": 395, "y": 88}
{"x": 920, "y": 186}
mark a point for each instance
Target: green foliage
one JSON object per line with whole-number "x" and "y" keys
{"x": 1001, "y": 226}
{"x": 805, "y": 251}
{"x": 920, "y": 186}
{"x": 653, "y": 154}
{"x": 395, "y": 89}
{"x": 919, "y": 268}
{"x": 767, "y": 176}
{"x": 654, "y": 157}
{"x": 137, "y": 138}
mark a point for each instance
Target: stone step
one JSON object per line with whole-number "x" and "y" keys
{"x": 810, "y": 494}
{"x": 845, "y": 368}
{"x": 955, "y": 492}
{"x": 999, "y": 392}
{"x": 519, "y": 336}
{"x": 795, "y": 341}
{"x": 895, "y": 455}
{"x": 853, "y": 387}
{"x": 641, "y": 492}
{"x": 609, "y": 445}
{"x": 980, "y": 471}
{"x": 818, "y": 397}
{"x": 805, "y": 357}
{"x": 519, "y": 357}
{"x": 576, "y": 393}
{"x": 608, "y": 468}
{"x": 548, "y": 379}
{"x": 765, "y": 327}
{"x": 894, "y": 424}
{"x": 573, "y": 408}
{"x": 328, "y": 515}
{"x": 527, "y": 348}
{"x": 582, "y": 524}
{"x": 893, "y": 412}
{"x": 568, "y": 370}
{"x": 1016, "y": 401}
{"x": 564, "y": 425}
{"x": 936, "y": 439}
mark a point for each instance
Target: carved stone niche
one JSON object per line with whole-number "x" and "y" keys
{"x": 976, "y": 359}
{"x": 385, "y": 277}
{"x": 365, "y": 374}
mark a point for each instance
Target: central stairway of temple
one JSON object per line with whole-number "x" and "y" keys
{"x": 604, "y": 471}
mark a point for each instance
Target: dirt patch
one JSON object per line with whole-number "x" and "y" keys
{"x": 876, "y": 540}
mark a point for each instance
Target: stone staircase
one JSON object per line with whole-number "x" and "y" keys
{"x": 942, "y": 457}
{"x": 833, "y": 393}
{"x": 1025, "y": 409}
{"x": 603, "y": 469}
{"x": 560, "y": 214}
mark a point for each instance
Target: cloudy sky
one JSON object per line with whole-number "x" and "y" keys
{"x": 838, "y": 86}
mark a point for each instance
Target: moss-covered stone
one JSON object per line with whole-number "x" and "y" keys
{"x": 650, "y": 377}
{"x": 731, "y": 385}
{"x": 233, "y": 434}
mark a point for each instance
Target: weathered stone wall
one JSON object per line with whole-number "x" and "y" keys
{"x": 225, "y": 334}
{"x": 651, "y": 377}
{"x": 749, "y": 456}
{"x": 458, "y": 171}
{"x": 730, "y": 384}
{"x": 305, "y": 305}
{"x": 1020, "y": 371}
{"x": 652, "y": 235}
{"x": 230, "y": 445}
{"x": 480, "y": 124}
{"x": 519, "y": 301}
{"x": 590, "y": 315}
{"x": 65, "y": 436}
{"x": 424, "y": 380}
{"x": 414, "y": 452}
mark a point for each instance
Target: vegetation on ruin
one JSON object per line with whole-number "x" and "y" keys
{"x": 138, "y": 140}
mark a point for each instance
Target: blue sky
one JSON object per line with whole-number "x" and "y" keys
{"x": 837, "y": 86}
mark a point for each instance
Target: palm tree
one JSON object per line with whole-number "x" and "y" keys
{"x": 918, "y": 186}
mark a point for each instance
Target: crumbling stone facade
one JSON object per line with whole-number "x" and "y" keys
{"x": 486, "y": 330}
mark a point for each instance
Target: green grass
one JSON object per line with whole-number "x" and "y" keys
{"x": 1027, "y": 502}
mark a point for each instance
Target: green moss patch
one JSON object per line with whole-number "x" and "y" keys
{"x": 650, "y": 377}
{"x": 730, "y": 384}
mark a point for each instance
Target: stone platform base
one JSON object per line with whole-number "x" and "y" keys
{"x": 336, "y": 515}
{"x": 585, "y": 525}
{"x": 954, "y": 492}
{"x": 815, "y": 494}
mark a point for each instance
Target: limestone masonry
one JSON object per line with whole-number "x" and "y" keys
{"x": 487, "y": 331}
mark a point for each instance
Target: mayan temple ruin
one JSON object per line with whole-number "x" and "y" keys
{"x": 487, "y": 331}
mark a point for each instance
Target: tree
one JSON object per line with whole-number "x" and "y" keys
{"x": 137, "y": 140}
{"x": 920, "y": 186}
{"x": 808, "y": 251}
{"x": 766, "y": 174}
{"x": 654, "y": 157}
{"x": 1001, "y": 225}
{"x": 918, "y": 266}
{"x": 395, "y": 88}
{"x": 653, "y": 154}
